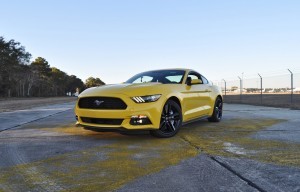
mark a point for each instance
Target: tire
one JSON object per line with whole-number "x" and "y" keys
{"x": 170, "y": 121}
{"x": 218, "y": 111}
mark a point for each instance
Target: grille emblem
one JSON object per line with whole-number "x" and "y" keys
{"x": 98, "y": 103}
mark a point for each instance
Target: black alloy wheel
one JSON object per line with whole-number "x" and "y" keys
{"x": 218, "y": 111}
{"x": 170, "y": 121}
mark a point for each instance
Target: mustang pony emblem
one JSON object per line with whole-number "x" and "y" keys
{"x": 98, "y": 103}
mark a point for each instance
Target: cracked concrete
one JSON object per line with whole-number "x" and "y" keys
{"x": 46, "y": 152}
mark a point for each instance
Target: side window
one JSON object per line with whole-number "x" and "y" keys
{"x": 194, "y": 75}
{"x": 204, "y": 80}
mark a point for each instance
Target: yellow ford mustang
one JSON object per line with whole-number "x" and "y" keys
{"x": 159, "y": 101}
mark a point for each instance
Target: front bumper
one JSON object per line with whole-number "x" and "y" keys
{"x": 109, "y": 118}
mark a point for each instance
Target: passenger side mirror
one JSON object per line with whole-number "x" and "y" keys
{"x": 190, "y": 81}
{"x": 196, "y": 81}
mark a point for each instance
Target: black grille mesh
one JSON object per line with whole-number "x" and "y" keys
{"x": 101, "y": 103}
{"x": 102, "y": 121}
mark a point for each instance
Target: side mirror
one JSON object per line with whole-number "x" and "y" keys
{"x": 196, "y": 81}
{"x": 190, "y": 81}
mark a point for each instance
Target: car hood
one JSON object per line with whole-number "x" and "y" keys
{"x": 125, "y": 88}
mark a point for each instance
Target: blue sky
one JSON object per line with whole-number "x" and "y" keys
{"x": 116, "y": 39}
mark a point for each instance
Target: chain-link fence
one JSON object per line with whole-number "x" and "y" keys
{"x": 280, "y": 89}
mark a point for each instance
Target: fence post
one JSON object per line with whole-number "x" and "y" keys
{"x": 225, "y": 85}
{"x": 292, "y": 86}
{"x": 241, "y": 91}
{"x": 261, "y": 88}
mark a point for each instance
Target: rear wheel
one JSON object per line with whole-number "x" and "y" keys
{"x": 170, "y": 121}
{"x": 218, "y": 111}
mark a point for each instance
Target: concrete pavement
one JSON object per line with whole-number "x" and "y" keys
{"x": 20, "y": 117}
{"x": 252, "y": 149}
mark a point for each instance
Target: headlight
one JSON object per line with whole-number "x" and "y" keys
{"x": 146, "y": 99}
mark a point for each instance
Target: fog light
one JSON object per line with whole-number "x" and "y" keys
{"x": 140, "y": 120}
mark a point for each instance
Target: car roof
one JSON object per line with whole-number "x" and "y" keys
{"x": 183, "y": 69}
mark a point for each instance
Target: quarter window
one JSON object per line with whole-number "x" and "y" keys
{"x": 194, "y": 75}
{"x": 204, "y": 80}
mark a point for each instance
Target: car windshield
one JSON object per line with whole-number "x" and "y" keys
{"x": 161, "y": 76}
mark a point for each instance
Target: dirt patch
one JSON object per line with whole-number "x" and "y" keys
{"x": 12, "y": 104}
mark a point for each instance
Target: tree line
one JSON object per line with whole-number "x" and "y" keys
{"x": 20, "y": 77}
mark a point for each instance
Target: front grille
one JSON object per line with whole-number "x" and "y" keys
{"x": 102, "y": 121}
{"x": 102, "y": 103}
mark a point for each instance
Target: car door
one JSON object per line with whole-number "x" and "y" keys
{"x": 196, "y": 97}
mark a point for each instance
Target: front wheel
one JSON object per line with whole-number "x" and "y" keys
{"x": 170, "y": 121}
{"x": 218, "y": 111}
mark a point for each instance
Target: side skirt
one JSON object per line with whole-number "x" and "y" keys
{"x": 194, "y": 120}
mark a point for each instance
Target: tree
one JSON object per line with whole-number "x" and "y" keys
{"x": 12, "y": 54}
{"x": 19, "y": 79}
{"x": 74, "y": 83}
{"x": 93, "y": 82}
{"x": 42, "y": 67}
{"x": 59, "y": 81}
{"x": 42, "y": 71}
